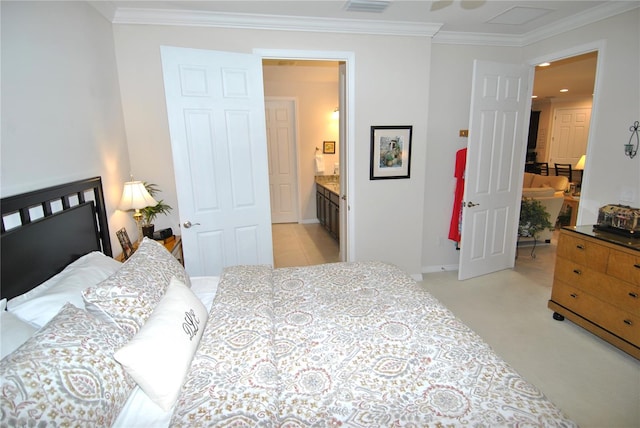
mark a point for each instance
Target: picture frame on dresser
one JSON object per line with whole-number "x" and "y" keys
{"x": 390, "y": 152}
{"x": 125, "y": 243}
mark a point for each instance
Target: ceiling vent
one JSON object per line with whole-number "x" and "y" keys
{"x": 370, "y": 6}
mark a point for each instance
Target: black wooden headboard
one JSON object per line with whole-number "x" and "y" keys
{"x": 45, "y": 230}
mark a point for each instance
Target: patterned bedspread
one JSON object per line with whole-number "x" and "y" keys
{"x": 347, "y": 344}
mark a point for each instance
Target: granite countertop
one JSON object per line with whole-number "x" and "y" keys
{"x": 329, "y": 182}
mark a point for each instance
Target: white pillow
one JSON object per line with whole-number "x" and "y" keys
{"x": 41, "y": 304}
{"x": 13, "y": 331}
{"x": 159, "y": 355}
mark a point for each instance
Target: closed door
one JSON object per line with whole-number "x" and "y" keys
{"x": 498, "y": 129}
{"x": 281, "y": 143}
{"x": 215, "y": 107}
{"x": 570, "y": 135}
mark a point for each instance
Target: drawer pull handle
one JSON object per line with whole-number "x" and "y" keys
{"x": 574, "y": 295}
{"x": 634, "y": 295}
{"x": 577, "y": 271}
{"x": 628, "y": 322}
{"x": 580, "y": 247}
{"x": 637, "y": 265}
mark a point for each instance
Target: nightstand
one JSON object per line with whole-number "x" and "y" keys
{"x": 174, "y": 246}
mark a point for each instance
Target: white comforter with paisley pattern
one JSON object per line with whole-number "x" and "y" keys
{"x": 347, "y": 344}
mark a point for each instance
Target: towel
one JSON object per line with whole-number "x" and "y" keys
{"x": 319, "y": 163}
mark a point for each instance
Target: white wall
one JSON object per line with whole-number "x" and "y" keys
{"x": 61, "y": 111}
{"x": 392, "y": 75}
{"x": 315, "y": 89}
{"x": 610, "y": 177}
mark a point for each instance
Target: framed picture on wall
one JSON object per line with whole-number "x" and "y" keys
{"x": 125, "y": 243}
{"x": 390, "y": 152}
{"x": 329, "y": 147}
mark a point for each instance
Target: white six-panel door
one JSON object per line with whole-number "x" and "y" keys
{"x": 280, "y": 116}
{"x": 215, "y": 107}
{"x": 570, "y": 135}
{"x": 495, "y": 160}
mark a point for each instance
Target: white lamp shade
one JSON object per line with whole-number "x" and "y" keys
{"x": 580, "y": 164}
{"x": 135, "y": 196}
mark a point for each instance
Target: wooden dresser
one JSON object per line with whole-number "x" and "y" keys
{"x": 596, "y": 285}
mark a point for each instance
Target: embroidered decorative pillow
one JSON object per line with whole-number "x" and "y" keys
{"x": 159, "y": 356}
{"x": 65, "y": 374}
{"x": 128, "y": 297}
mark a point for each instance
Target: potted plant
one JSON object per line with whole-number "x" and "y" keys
{"x": 533, "y": 218}
{"x": 149, "y": 214}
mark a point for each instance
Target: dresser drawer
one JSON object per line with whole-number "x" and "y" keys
{"x": 617, "y": 321}
{"x": 624, "y": 266}
{"x": 582, "y": 251}
{"x": 618, "y": 293}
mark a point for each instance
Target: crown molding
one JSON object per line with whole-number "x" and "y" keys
{"x": 272, "y": 22}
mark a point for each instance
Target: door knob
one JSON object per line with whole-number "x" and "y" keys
{"x": 187, "y": 224}
{"x": 471, "y": 204}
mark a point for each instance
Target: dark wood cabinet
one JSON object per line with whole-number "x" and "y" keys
{"x": 328, "y": 210}
{"x": 320, "y": 208}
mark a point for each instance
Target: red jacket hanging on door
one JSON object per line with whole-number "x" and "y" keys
{"x": 456, "y": 215}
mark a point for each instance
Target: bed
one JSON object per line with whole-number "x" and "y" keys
{"x": 141, "y": 344}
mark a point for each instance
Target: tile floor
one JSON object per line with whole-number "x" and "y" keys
{"x": 596, "y": 384}
{"x": 302, "y": 245}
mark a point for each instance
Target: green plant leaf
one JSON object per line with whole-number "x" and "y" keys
{"x": 533, "y": 218}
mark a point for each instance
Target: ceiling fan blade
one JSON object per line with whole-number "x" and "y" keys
{"x": 440, "y": 4}
{"x": 472, "y": 4}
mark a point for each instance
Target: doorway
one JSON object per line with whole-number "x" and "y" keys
{"x": 344, "y": 152}
{"x": 301, "y": 105}
{"x": 564, "y": 118}
{"x": 563, "y": 94}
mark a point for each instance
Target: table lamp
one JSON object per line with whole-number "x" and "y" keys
{"x": 135, "y": 197}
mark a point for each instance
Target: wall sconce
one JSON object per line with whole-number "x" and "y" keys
{"x": 135, "y": 197}
{"x": 336, "y": 113}
{"x": 631, "y": 148}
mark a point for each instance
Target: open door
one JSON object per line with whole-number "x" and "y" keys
{"x": 342, "y": 130}
{"x": 215, "y": 106}
{"x": 499, "y": 120}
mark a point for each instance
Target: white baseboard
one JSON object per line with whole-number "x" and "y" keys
{"x": 439, "y": 268}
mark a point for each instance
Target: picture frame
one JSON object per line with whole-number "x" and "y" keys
{"x": 125, "y": 243}
{"x": 329, "y": 147}
{"x": 390, "y": 152}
